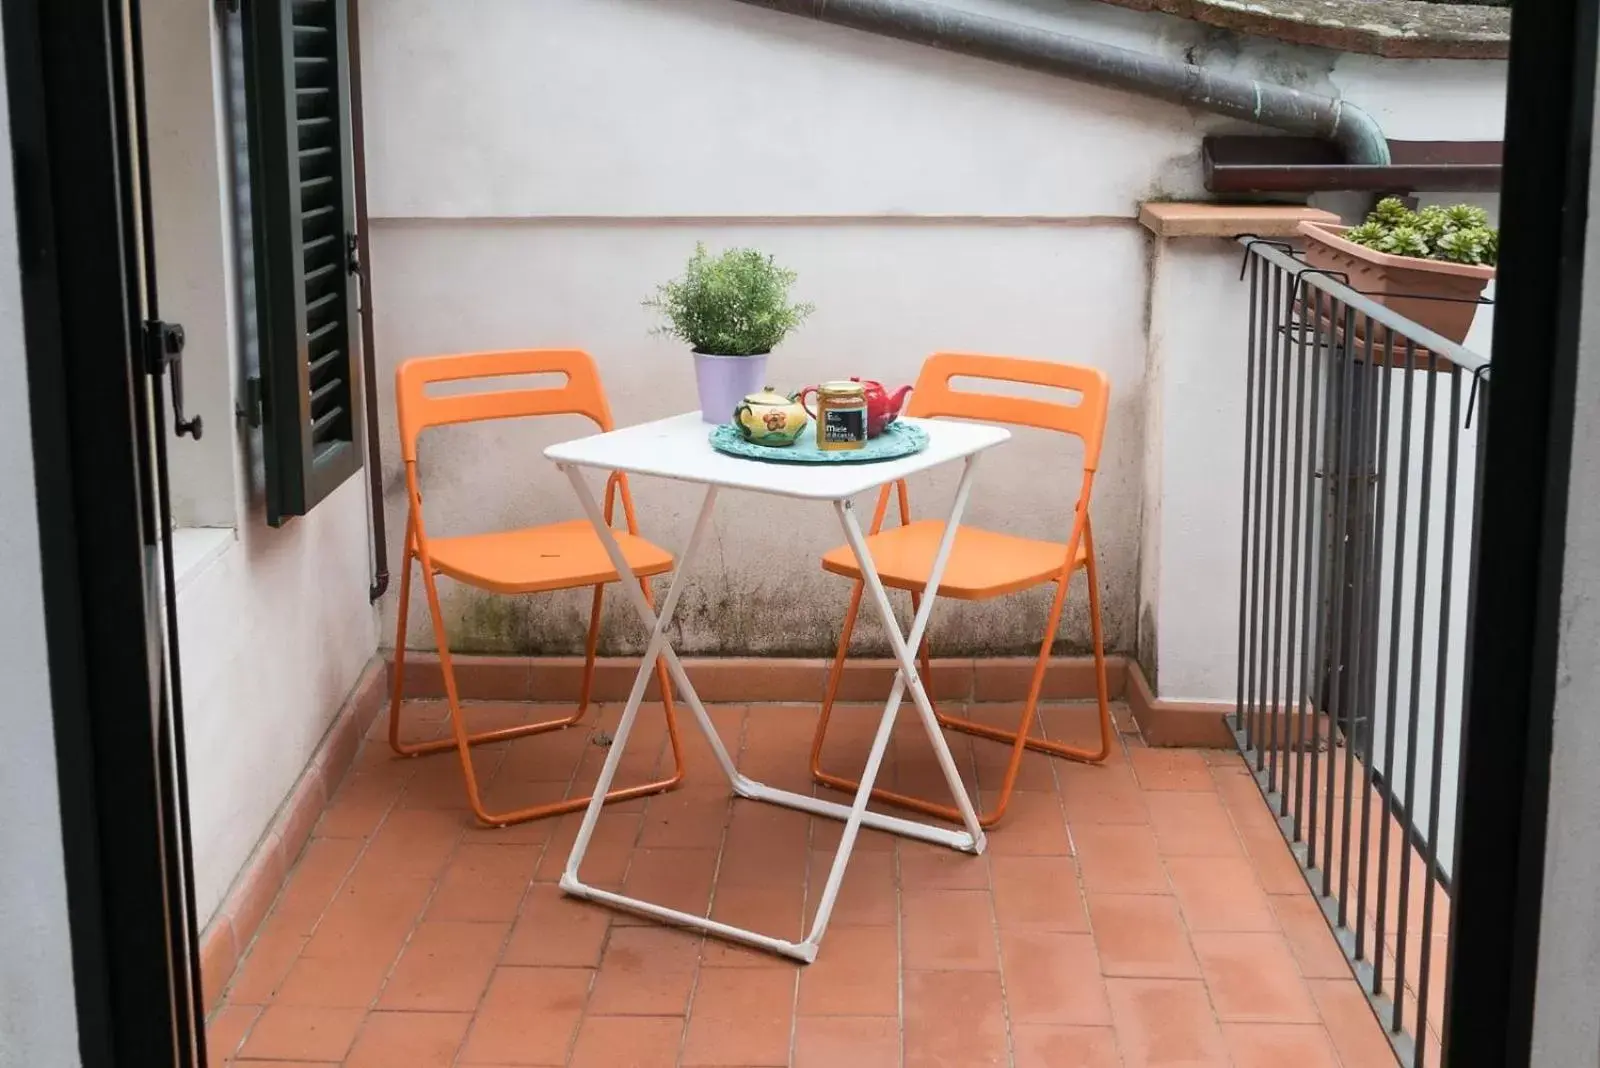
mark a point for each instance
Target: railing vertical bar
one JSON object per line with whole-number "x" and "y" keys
{"x": 1369, "y": 688}
{"x": 1267, "y": 325}
{"x": 1278, "y": 473}
{"x": 1291, "y": 691}
{"x": 1401, "y": 509}
{"x": 1354, "y": 667}
{"x": 1324, "y": 493}
{"x": 1334, "y": 663}
{"x": 1441, "y": 677}
{"x": 1268, "y": 468}
{"x": 1418, "y": 616}
{"x": 1308, "y": 706}
{"x": 1241, "y": 709}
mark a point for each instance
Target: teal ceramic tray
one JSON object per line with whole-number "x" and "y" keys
{"x": 897, "y": 440}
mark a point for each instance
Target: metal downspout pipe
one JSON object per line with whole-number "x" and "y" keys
{"x": 1017, "y": 45}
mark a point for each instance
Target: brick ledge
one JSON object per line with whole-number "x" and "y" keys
{"x": 778, "y": 680}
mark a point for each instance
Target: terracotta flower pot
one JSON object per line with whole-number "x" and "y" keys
{"x": 1401, "y": 283}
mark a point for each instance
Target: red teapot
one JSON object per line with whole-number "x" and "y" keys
{"x": 882, "y": 405}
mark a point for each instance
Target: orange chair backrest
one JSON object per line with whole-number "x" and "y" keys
{"x": 579, "y": 395}
{"x": 934, "y": 397}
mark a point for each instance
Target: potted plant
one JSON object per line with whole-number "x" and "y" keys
{"x": 1430, "y": 266}
{"x": 732, "y": 309}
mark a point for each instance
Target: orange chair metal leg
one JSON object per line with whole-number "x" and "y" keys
{"x": 1020, "y": 740}
{"x": 591, "y": 645}
{"x": 462, "y": 741}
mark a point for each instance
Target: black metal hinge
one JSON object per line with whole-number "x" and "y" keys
{"x": 352, "y": 250}
{"x": 250, "y": 408}
{"x": 163, "y": 351}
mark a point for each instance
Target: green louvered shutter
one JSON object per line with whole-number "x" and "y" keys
{"x": 303, "y": 223}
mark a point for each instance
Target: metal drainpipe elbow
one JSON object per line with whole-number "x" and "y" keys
{"x": 1359, "y": 135}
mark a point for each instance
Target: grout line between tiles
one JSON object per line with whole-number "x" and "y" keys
{"x": 366, "y": 843}
{"x": 544, "y": 849}
{"x": 1000, "y": 970}
{"x": 900, "y": 947}
{"x": 805, "y": 905}
{"x": 716, "y": 872}
{"x": 611, "y": 916}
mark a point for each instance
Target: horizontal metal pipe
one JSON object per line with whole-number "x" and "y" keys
{"x": 1033, "y": 48}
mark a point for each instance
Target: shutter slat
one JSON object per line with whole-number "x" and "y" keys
{"x": 322, "y": 363}
{"x": 323, "y": 331}
{"x": 324, "y": 391}
{"x": 322, "y": 302}
{"x": 320, "y": 425}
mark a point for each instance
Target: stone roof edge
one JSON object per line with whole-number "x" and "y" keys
{"x": 1394, "y": 29}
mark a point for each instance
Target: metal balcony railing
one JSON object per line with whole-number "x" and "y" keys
{"x": 1360, "y": 467}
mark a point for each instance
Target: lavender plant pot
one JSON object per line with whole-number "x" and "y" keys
{"x": 725, "y": 381}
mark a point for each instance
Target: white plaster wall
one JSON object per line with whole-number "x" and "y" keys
{"x": 274, "y": 624}
{"x": 38, "y": 1023}
{"x": 189, "y": 194}
{"x": 273, "y": 632}
{"x": 886, "y": 297}
{"x": 536, "y": 167}
{"x": 1195, "y": 453}
{"x": 1566, "y": 1028}
{"x": 638, "y": 109}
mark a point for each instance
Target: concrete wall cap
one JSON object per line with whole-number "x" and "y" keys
{"x": 1189, "y": 219}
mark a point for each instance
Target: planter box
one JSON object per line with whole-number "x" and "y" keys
{"x": 1401, "y": 283}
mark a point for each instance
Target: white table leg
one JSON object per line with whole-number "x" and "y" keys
{"x": 854, "y": 816}
{"x": 906, "y": 677}
{"x": 656, "y": 647}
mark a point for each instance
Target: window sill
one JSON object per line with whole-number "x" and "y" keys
{"x": 196, "y": 548}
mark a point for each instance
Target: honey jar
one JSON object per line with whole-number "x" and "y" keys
{"x": 840, "y": 415}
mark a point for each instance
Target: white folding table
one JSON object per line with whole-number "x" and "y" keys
{"x": 678, "y": 448}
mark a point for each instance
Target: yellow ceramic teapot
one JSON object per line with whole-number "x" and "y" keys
{"x": 770, "y": 418}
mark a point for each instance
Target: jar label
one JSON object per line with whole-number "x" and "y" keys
{"x": 844, "y": 425}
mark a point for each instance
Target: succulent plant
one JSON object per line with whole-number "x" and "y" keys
{"x": 1472, "y": 245}
{"x": 1458, "y": 234}
{"x": 1368, "y": 234}
{"x": 1404, "y": 240}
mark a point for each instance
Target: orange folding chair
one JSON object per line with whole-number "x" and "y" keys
{"x": 984, "y": 564}
{"x": 560, "y": 556}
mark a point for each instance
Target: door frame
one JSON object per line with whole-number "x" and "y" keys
{"x": 1519, "y": 537}
{"x": 95, "y": 416}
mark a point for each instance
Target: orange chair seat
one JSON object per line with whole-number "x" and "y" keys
{"x": 534, "y": 559}
{"x": 982, "y": 564}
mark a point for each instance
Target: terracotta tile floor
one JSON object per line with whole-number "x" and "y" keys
{"x": 1135, "y": 914}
